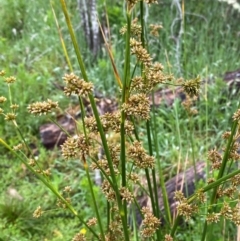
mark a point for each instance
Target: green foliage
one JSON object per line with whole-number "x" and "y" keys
{"x": 30, "y": 49}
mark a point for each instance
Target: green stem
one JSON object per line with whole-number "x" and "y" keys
{"x": 94, "y": 202}
{"x": 98, "y": 121}
{"x": 50, "y": 186}
{"x": 162, "y": 184}
{"x": 125, "y": 95}
{"x": 205, "y": 189}
{"x": 221, "y": 172}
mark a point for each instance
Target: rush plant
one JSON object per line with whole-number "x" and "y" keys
{"x": 127, "y": 161}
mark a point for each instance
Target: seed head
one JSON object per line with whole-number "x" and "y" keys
{"x": 38, "y": 212}
{"x": 10, "y": 117}
{"x": 192, "y": 87}
{"x": 75, "y": 85}
{"x": 2, "y": 99}
{"x": 236, "y": 115}
{"x": 45, "y": 107}
{"x": 10, "y": 80}
{"x": 2, "y": 73}
{"x": 213, "y": 217}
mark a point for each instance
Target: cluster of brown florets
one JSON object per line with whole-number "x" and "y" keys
{"x": 188, "y": 105}
{"x": 75, "y": 85}
{"x": 136, "y": 29}
{"x": 79, "y": 237}
{"x": 227, "y": 212}
{"x": 138, "y": 105}
{"x": 115, "y": 232}
{"x": 110, "y": 122}
{"x": 139, "y": 156}
{"x": 45, "y": 107}
{"x": 140, "y": 52}
{"x": 149, "y": 224}
{"x": 155, "y": 29}
{"x": 184, "y": 208}
{"x": 75, "y": 147}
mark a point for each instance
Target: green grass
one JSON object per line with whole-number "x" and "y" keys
{"x": 30, "y": 49}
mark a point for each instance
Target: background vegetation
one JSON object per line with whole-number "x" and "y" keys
{"x": 30, "y": 49}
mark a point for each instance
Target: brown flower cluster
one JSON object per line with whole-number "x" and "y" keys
{"x": 38, "y": 212}
{"x": 154, "y": 75}
{"x": 140, "y": 158}
{"x": 236, "y": 115}
{"x": 215, "y": 158}
{"x": 2, "y": 99}
{"x": 110, "y": 122}
{"x": 184, "y": 208}
{"x": 126, "y": 194}
{"x": 39, "y": 108}
{"x": 150, "y": 1}
{"x": 10, "y": 80}
{"x": 75, "y": 147}
{"x": 79, "y": 237}
{"x": 150, "y": 223}
{"x": 188, "y": 105}
{"x": 115, "y": 232}
{"x": 140, "y": 52}
{"x": 138, "y": 105}
{"x": 136, "y": 29}
{"x": 154, "y": 29}
{"x": 227, "y": 212}
{"x": 108, "y": 191}
{"x": 2, "y": 73}
{"x": 75, "y": 85}
{"x": 192, "y": 87}
{"x": 92, "y": 222}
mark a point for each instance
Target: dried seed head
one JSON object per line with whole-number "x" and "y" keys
{"x": 168, "y": 237}
{"x": 18, "y": 147}
{"x": 226, "y": 211}
{"x": 2, "y": 73}
{"x": 2, "y": 99}
{"x": 213, "y": 217}
{"x": 137, "y": 105}
{"x": 39, "y": 108}
{"x": 139, "y": 156}
{"x": 74, "y": 147}
{"x": 140, "y": 52}
{"x": 10, "y": 80}
{"x": 150, "y": 1}
{"x": 75, "y": 85}
{"x": 154, "y": 29}
{"x": 10, "y": 117}
{"x": 14, "y": 107}
{"x": 236, "y": 115}
{"x": 192, "y": 87}
{"x": 150, "y": 223}
{"x": 92, "y": 222}
{"x": 79, "y": 237}
{"x": 38, "y": 212}
{"x": 126, "y": 194}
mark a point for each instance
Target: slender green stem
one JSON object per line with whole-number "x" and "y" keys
{"x": 125, "y": 95}
{"x": 83, "y": 116}
{"x": 162, "y": 184}
{"x": 48, "y": 184}
{"x": 153, "y": 196}
{"x": 98, "y": 121}
{"x": 221, "y": 172}
{"x": 154, "y": 206}
{"x": 94, "y": 202}
{"x": 205, "y": 189}
{"x": 59, "y": 126}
